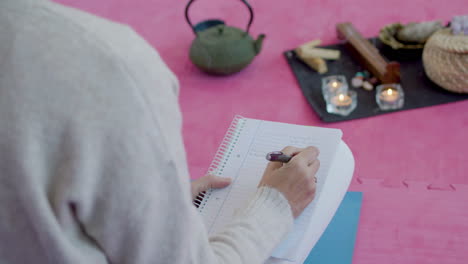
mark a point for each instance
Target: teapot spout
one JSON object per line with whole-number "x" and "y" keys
{"x": 258, "y": 43}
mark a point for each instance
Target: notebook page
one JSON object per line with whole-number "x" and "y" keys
{"x": 245, "y": 165}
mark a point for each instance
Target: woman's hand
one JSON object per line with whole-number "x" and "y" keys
{"x": 208, "y": 182}
{"x": 296, "y": 179}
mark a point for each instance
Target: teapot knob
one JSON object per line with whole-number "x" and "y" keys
{"x": 221, "y": 30}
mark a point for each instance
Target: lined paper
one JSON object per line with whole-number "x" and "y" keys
{"x": 245, "y": 163}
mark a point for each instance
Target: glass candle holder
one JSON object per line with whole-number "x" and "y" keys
{"x": 342, "y": 102}
{"x": 333, "y": 84}
{"x": 390, "y": 96}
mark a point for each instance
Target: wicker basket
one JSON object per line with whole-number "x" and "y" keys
{"x": 445, "y": 59}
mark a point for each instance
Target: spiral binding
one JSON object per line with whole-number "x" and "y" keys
{"x": 222, "y": 156}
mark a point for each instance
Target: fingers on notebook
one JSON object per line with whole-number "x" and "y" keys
{"x": 292, "y": 151}
{"x": 307, "y": 171}
{"x": 289, "y": 150}
{"x": 314, "y": 167}
{"x": 301, "y": 156}
{"x": 307, "y": 156}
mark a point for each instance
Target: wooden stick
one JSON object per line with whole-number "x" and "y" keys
{"x": 368, "y": 55}
{"x": 327, "y": 54}
{"x": 311, "y": 44}
{"x": 317, "y": 64}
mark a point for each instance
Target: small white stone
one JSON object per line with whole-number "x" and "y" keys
{"x": 456, "y": 27}
{"x": 367, "y": 86}
{"x": 465, "y": 25}
{"x": 356, "y": 82}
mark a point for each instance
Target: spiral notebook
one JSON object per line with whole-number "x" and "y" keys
{"x": 241, "y": 156}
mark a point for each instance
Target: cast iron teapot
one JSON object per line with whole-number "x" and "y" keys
{"x": 220, "y": 49}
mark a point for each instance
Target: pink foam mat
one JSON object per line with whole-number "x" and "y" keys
{"x": 412, "y": 166}
{"x": 412, "y": 225}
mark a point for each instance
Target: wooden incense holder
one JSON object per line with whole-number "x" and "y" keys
{"x": 368, "y": 55}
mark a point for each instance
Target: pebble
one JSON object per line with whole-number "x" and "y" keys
{"x": 357, "y": 81}
{"x": 367, "y": 86}
{"x": 459, "y": 25}
{"x": 465, "y": 25}
{"x": 456, "y": 25}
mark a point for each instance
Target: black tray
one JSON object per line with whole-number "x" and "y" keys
{"x": 419, "y": 90}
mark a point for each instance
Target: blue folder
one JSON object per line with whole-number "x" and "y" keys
{"x": 336, "y": 245}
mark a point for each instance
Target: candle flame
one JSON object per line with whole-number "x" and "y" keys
{"x": 389, "y": 91}
{"x": 334, "y": 84}
{"x": 341, "y": 97}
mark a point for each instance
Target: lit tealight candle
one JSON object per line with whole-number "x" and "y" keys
{"x": 335, "y": 85}
{"x": 342, "y": 100}
{"x": 342, "y": 103}
{"x": 389, "y": 95}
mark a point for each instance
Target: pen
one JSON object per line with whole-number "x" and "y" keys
{"x": 278, "y": 156}
{"x": 281, "y": 157}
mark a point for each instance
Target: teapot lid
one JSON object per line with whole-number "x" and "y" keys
{"x": 204, "y": 25}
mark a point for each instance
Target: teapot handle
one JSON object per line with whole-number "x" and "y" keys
{"x": 193, "y": 28}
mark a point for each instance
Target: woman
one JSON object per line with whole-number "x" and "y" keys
{"x": 92, "y": 164}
